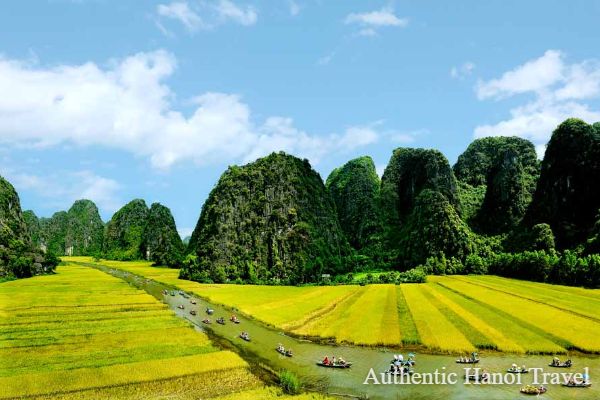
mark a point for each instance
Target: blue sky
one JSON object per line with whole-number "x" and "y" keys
{"x": 115, "y": 100}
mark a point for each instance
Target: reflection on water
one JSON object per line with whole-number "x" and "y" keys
{"x": 262, "y": 349}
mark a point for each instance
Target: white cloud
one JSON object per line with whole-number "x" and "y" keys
{"x": 558, "y": 89}
{"x": 182, "y": 12}
{"x": 278, "y": 133}
{"x": 463, "y": 71}
{"x": 242, "y": 15}
{"x": 294, "y": 8}
{"x": 205, "y": 15}
{"x": 128, "y": 106}
{"x": 533, "y": 76}
{"x": 61, "y": 189}
{"x": 378, "y": 18}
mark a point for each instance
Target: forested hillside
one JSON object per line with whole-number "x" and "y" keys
{"x": 271, "y": 220}
{"x": 137, "y": 232}
{"x": 354, "y": 188}
{"x": 77, "y": 232}
{"x": 18, "y": 256}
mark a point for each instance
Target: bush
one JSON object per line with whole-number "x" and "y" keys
{"x": 289, "y": 382}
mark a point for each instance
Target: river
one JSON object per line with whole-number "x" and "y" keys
{"x": 351, "y": 382}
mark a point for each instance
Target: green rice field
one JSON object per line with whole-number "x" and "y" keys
{"x": 83, "y": 334}
{"x": 449, "y": 314}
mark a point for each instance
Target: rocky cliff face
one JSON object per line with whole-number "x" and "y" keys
{"x": 77, "y": 232}
{"x": 18, "y": 257}
{"x": 124, "y": 232}
{"x": 85, "y": 229}
{"x": 354, "y": 188}
{"x": 160, "y": 241}
{"x": 54, "y": 232}
{"x": 271, "y": 220}
{"x": 505, "y": 169}
{"x": 410, "y": 173}
{"x": 33, "y": 228}
{"x": 568, "y": 195}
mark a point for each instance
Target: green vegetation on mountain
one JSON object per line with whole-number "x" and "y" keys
{"x": 568, "y": 195}
{"x": 124, "y": 232}
{"x": 419, "y": 198}
{"x": 77, "y": 232}
{"x": 160, "y": 241}
{"x": 33, "y": 228}
{"x": 433, "y": 227}
{"x": 270, "y": 220}
{"x": 54, "y": 232}
{"x": 85, "y": 229}
{"x": 18, "y": 256}
{"x": 354, "y": 188}
{"x": 505, "y": 170}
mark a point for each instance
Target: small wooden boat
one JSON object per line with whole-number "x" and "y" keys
{"x": 193, "y": 312}
{"x": 210, "y": 311}
{"x": 475, "y": 377}
{"x": 284, "y": 352}
{"x": 577, "y": 385}
{"x": 172, "y": 293}
{"x": 517, "y": 371}
{"x": 181, "y": 307}
{"x": 193, "y": 301}
{"x": 336, "y": 365}
{"x": 410, "y": 372}
{"x": 245, "y": 337}
{"x": 207, "y": 321}
{"x": 221, "y": 321}
{"x": 533, "y": 390}
{"x": 566, "y": 364}
{"x": 469, "y": 361}
{"x": 234, "y": 319}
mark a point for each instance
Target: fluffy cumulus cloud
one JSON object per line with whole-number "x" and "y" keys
{"x": 554, "y": 89}
{"x": 370, "y": 21}
{"x": 205, "y": 15}
{"x": 128, "y": 106}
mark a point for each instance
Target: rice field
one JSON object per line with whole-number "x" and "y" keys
{"x": 449, "y": 314}
{"x": 83, "y": 334}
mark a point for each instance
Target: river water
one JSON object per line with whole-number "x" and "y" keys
{"x": 351, "y": 382}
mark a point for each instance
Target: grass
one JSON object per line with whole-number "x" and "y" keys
{"x": 447, "y": 314}
{"x": 84, "y": 334}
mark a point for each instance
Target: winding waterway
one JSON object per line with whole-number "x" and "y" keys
{"x": 350, "y": 382}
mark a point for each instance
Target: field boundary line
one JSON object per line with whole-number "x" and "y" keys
{"x": 319, "y": 312}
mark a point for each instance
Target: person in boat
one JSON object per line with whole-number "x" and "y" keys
{"x": 400, "y": 358}
{"x": 523, "y": 369}
{"x": 341, "y": 361}
{"x": 333, "y": 360}
{"x": 280, "y": 348}
{"x": 326, "y": 361}
{"x": 555, "y": 361}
